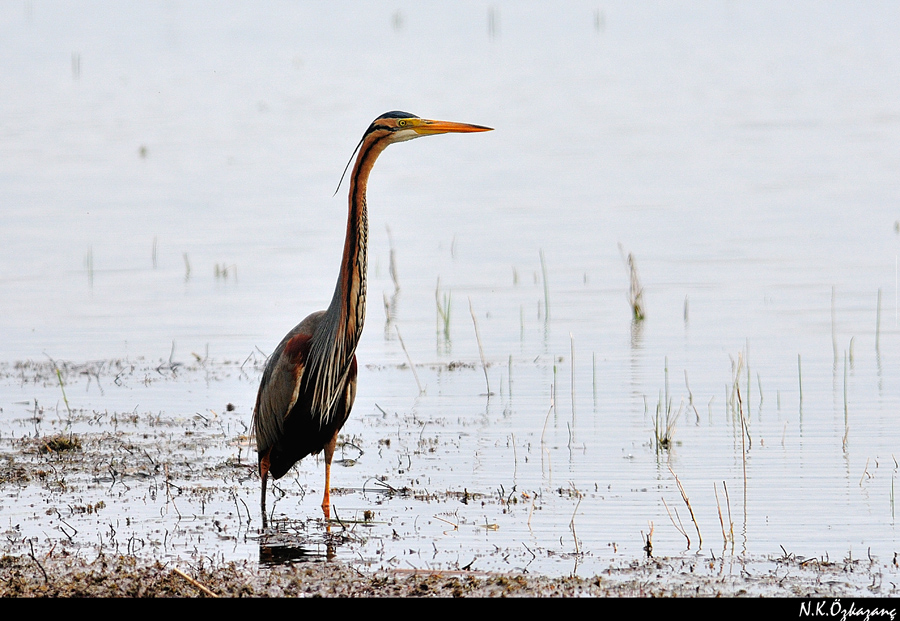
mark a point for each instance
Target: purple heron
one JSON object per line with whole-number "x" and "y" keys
{"x": 309, "y": 383}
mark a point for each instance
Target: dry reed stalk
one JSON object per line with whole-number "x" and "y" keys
{"x": 480, "y": 349}
{"x": 544, "y": 448}
{"x": 408, "y": 359}
{"x": 572, "y": 521}
{"x": 846, "y": 412}
{"x": 690, "y": 396}
{"x": 759, "y": 385}
{"x": 203, "y": 588}
{"x": 636, "y": 297}
{"x": 745, "y": 433}
{"x": 725, "y": 535}
{"x": 678, "y": 526}
{"x": 572, "y": 349}
{"x": 688, "y": 503}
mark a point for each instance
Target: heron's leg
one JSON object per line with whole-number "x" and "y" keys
{"x": 329, "y": 453}
{"x": 264, "y": 465}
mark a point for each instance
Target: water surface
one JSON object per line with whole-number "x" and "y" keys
{"x": 167, "y": 172}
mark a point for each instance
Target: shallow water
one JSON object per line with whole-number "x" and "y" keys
{"x": 167, "y": 170}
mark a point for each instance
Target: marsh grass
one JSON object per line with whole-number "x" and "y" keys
{"x": 546, "y": 288}
{"x": 635, "y": 291}
{"x": 442, "y": 303}
{"x": 665, "y": 418}
{"x": 487, "y": 381}
{"x": 61, "y": 443}
{"x": 89, "y": 265}
{"x": 224, "y": 271}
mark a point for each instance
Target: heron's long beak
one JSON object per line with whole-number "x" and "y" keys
{"x": 426, "y": 127}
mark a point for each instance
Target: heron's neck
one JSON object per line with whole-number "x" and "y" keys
{"x": 348, "y": 307}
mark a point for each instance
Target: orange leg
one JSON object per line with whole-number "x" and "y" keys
{"x": 329, "y": 453}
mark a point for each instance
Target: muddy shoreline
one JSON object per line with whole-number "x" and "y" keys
{"x": 61, "y": 575}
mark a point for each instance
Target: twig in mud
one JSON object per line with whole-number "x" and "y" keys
{"x": 382, "y": 484}
{"x": 480, "y": 349}
{"x": 37, "y": 562}
{"x": 204, "y": 589}
{"x": 648, "y": 541}
{"x": 169, "y": 484}
{"x": 411, "y": 365}
{"x": 63, "y": 530}
{"x": 455, "y": 526}
{"x": 246, "y": 508}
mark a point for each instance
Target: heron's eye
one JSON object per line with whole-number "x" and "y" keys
{"x": 401, "y": 123}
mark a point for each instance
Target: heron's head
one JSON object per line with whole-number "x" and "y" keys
{"x": 399, "y": 126}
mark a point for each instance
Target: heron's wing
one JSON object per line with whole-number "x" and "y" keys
{"x": 279, "y": 388}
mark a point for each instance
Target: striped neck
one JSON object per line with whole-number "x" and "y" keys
{"x": 334, "y": 343}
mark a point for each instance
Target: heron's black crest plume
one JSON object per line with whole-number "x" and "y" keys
{"x": 394, "y": 114}
{"x": 347, "y": 167}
